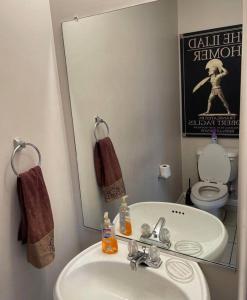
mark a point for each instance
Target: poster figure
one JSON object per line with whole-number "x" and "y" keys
{"x": 210, "y": 81}
{"x": 216, "y": 72}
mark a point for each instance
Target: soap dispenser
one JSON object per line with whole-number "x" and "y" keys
{"x": 124, "y": 217}
{"x": 109, "y": 241}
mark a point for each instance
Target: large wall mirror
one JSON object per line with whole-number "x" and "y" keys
{"x": 124, "y": 70}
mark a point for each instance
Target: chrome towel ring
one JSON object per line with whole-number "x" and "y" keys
{"x": 99, "y": 121}
{"x": 19, "y": 145}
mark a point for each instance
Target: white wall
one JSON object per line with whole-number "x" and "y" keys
{"x": 242, "y": 212}
{"x": 195, "y": 15}
{"x": 31, "y": 108}
{"x": 117, "y": 66}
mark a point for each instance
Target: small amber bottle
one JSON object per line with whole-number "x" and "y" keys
{"x": 109, "y": 241}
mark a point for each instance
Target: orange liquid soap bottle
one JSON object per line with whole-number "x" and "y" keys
{"x": 109, "y": 241}
{"x": 124, "y": 217}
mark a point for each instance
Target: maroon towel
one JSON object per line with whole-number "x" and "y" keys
{"x": 108, "y": 171}
{"x": 36, "y": 226}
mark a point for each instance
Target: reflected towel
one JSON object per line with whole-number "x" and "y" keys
{"x": 108, "y": 171}
{"x": 36, "y": 227}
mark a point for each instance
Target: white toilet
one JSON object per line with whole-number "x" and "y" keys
{"x": 216, "y": 167}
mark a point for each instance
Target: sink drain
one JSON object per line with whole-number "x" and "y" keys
{"x": 179, "y": 270}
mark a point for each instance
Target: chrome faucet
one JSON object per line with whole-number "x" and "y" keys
{"x": 160, "y": 224}
{"x": 160, "y": 236}
{"x": 136, "y": 258}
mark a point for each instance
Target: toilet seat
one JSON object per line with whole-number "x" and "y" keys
{"x": 214, "y": 164}
{"x": 212, "y": 191}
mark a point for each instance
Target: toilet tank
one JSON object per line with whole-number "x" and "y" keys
{"x": 232, "y": 153}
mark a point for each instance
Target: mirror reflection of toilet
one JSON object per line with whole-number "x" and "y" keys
{"x": 217, "y": 167}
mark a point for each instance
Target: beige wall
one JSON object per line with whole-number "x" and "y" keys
{"x": 31, "y": 108}
{"x": 195, "y": 15}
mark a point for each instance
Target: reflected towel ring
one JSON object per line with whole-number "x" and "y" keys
{"x": 19, "y": 145}
{"x": 99, "y": 121}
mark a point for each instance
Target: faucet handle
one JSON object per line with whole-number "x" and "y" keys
{"x": 164, "y": 235}
{"x": 133, "y": 248}
{"x": 154, "y": 254}
{"x": 144, "y": 249}
{"x": 145, "y": 230}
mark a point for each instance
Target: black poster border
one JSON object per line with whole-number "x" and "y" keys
{"x": 182, "y": 76}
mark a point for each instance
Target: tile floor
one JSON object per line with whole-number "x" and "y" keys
{"x": 229, "y": 256}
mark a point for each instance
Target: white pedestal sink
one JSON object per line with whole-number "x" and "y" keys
{"x": 93, "y": 275}
{"x": 193, "y": 232}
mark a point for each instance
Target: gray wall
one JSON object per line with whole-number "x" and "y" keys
{"x": 222, "y": 282}
{"x": 117, "y": 66}
{"x": 194, "y": 15}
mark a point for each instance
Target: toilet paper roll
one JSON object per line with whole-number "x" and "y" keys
{"x": 165, "y": 171}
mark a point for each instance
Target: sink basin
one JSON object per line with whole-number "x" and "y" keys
{"x": 193, "y": 232}
{"x": 94, "y": 275}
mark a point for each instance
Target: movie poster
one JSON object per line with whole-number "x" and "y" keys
{"x": 210, "y": 77}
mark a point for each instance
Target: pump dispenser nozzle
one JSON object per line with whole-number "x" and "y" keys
{"x": 107, "y": 221}
{"x": 124, "y": 200}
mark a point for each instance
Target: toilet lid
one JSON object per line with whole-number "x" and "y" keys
{"x": 214, "y": 164}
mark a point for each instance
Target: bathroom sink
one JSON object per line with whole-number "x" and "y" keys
{"x": 193, "y": 232}
{"x": 94, "y": 275}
